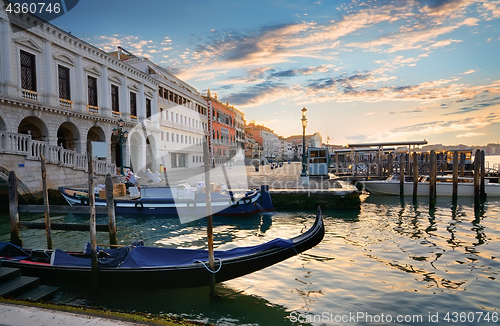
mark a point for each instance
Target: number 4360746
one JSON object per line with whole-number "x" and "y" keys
{"x": 33, "y": 8}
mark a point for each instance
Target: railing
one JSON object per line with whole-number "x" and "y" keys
{"x": 22, "y": 144}
{"x": 65, "y": 103}
{"x": 116, "y": 114}
{"x": 30, "y": 95}
{"x": 93, "y": 109}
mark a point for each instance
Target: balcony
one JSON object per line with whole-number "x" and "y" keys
{"x": 30, "y": 95}
{"x": 133, "y": 118}
{"x": 93, "y": 109}
{"x": 116, "y": 114}
{"x": 65, "y": 103}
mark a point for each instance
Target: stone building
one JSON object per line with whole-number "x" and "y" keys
{"x": 57, "y": 92}
{"x": 222, "y": 119}
{"x": 182, "y": 116}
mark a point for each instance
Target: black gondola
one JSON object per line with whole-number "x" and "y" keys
{"x": 139, "y": 266}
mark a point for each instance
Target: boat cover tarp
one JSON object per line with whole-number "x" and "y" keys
{"x": 140, "y": 256}
{"x": 156, "y": 257}
{"x": 10, "y": 250}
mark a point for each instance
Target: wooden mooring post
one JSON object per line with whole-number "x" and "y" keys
{"x": 432, "y": 179}
{"x": 462, "y": 164}
{"x": 401, "y": 175}
{"x": 210, "y": 232}
{"x": 477, "y": 168}
{"x": 482, "y": 190}
{"x": 14, "y": 214}
{"x": 92, "y": 222}
{"x": 415, "y": 176}
{"x": 455, "y": 176}
{"x": 48, "y": 230}
{"x": 110, "y": 205}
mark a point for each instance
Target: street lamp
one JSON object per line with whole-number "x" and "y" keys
{"x": 122, "y": 136}
{"x": 304, "y": 178}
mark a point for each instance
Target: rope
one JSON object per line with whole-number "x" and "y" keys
{"x": 208, "y": 268}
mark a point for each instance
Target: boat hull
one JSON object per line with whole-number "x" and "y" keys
{"x": 255, "y": 201}
{"x": 191, "y": 275}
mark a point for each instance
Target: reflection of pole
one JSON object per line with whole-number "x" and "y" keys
{"x": 210, "y": 234}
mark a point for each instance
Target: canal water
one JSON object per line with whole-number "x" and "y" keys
{"x": 390, "y": 262}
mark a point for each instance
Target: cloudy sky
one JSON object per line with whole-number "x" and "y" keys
{"x": 367, "y": 71}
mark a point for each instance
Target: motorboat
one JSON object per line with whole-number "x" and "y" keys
{"x": 180, "y": 201}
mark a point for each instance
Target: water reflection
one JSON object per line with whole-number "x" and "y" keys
{"x": 230, "y": 307}
{"x": 391, "y": 256}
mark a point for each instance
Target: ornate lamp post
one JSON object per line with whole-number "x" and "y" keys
{"x": 304, "y": 178}
{"x": 122, "y": 136}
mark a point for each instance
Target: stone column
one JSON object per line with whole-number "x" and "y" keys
{"x": 6, "y": 81}
{"x": 80, "y": 104}
{"x": 105, "y": 106}
{"x": 124, "y": 101}
{"x": 154, "y": 109}
{"x": 141, "y": 103}
{"x": 50, "y": 96}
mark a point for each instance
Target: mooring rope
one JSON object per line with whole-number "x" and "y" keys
{"x": 208, "y": 268}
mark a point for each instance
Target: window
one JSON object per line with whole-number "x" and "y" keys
{"x": 64, "y": 90}
{"x": 115, "y": 103}
{"x": 133, "y": 104}
{"x": 28, "y": 71}
{"x": 92, "y": 90}
{"x": 148, "y": 108}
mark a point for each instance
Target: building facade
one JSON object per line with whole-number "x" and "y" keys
{"x": 60, "y": 92}
{"x": 267, "y": 140}
{"x": 222, "y": 143}
{"x": 182, "y": 116}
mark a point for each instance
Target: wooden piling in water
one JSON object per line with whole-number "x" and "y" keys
{"x": 462, "y": 164}
{"x": 210, "y": 233}
{"x": 432, "y": 179}
{"x": 401, "y": 175}
{"x": 455, "y": 176}
{"x": 14, "y": 214}
{"x": 389, "y": 165}
{"x": 48, "y": 229}
{"x": 110, "y": 206}
{"x": 415, "y": 176}
{"x": 482, "y": 190}
{"x": 477, "y": 167}
{"x": 92, "y": 222}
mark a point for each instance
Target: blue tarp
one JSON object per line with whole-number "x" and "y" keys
{"x": 135, "y": 255}
{"x": 10, "y": 250}
{"x": 157, "y": 257}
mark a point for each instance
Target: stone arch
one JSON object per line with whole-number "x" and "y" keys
{"x": 69, "y": 136}
{"x": 137, "y": 151}
{"x": 96, "y": 134}
{"x": 151, "y": 153}
{"x": 34, "y": 126}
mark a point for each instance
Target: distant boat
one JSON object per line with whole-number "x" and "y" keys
{"x": 444, "y": 186}
{"x": 137, "y": 266}
{"x": 188, "y": 202}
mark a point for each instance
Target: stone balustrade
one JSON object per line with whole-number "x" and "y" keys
{"x": 22, "y": 144}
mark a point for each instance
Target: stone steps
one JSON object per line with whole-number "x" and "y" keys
{"x": 13, "y": 284}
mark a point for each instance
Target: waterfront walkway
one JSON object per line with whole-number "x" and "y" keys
{"x": 21, "y": 315}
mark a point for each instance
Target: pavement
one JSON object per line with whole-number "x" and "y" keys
{"x": 19, "y": 315}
